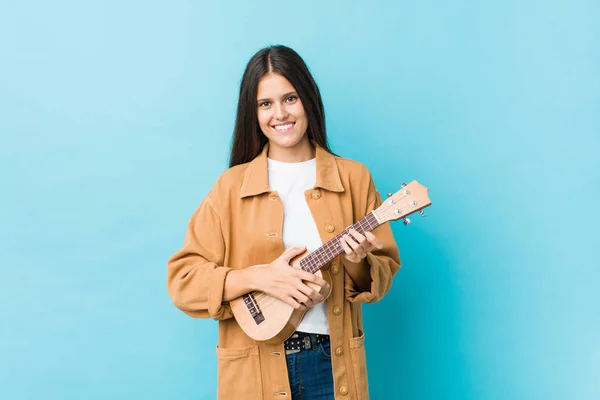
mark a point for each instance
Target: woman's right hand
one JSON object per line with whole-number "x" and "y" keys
{"x": 284, "y": 282}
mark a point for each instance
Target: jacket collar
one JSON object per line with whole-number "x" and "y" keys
{"x": 256, "y": 176}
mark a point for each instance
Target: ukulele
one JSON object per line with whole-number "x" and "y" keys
{"x": 265, "y": 318}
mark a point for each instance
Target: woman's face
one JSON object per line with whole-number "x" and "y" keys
{"x": 280, "y": 113}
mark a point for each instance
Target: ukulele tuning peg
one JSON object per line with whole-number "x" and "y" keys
{"x": 406, "y": 221}
{"x": 422, "y": 213}
{"x": 403, "y": 184}
{"x": 389, "y": 194}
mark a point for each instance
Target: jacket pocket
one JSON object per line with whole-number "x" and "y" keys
{"x": 239, "y": 375}
{"x": 359, "y": 365}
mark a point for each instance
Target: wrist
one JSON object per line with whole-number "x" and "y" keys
{"x": 251, "y": 278}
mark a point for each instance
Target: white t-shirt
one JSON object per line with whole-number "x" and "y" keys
{"x": 290, "y": 180}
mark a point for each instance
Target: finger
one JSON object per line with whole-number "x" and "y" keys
{"x": 313, "y": 295}
{"x": 308, "y": 303}
{"x": 351, "y": 242}
{"x": 367, "y": 247}
{"x": 374, "y": 240}
{"x": 292, "y": 302}
{"x": 345, "y": 246}
{"x": 307, "y": 276}
{"x": 301, "y": 297}
{"x": 362, "y": 242}
{"x": 358, "y": 251}
{"x": 358, "y": 236}
{"x": 292, "y": 252}
{"x": 350, "y": 254}
{"x": 316, "y": 297}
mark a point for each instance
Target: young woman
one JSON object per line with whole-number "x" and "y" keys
{"x": 285, "y": 193}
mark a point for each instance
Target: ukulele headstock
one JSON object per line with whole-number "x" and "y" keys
{"x": 409, "y": 199}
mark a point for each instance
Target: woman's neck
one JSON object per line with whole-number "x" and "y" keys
{"x": 300, "y": 152}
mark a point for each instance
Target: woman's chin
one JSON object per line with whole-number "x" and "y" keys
{"x": 285, "y": 142}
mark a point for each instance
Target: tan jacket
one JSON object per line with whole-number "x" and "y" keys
{"x": 239, "y": 224}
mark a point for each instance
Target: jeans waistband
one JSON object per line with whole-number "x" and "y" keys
{"x": 303, "y": 341}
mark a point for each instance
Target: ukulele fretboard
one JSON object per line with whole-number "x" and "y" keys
{"x": 330, "y": 250}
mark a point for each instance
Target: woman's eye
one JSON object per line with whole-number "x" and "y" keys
{"x": 291, "y": 98}
{"x": 264, "y": 104}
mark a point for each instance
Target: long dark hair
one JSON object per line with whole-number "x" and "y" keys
{"x": 248, "y": 138}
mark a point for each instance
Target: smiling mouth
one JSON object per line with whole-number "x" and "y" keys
{"x": 283, "y": 128}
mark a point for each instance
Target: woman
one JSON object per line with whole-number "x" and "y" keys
{"x": 284, "y": 193}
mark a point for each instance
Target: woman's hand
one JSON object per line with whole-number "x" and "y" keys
{"x": 281, "y": 281}
{"x": 357, "y": 246}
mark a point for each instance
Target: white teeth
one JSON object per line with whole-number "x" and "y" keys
{"x": 283, "y": 127}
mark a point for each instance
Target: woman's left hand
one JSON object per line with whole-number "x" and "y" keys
{"x": 357, "y": 246}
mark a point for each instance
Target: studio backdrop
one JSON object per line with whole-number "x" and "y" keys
{"x": 116, "y": 119}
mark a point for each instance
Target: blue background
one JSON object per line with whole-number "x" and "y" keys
{"x": 116, "y": 118}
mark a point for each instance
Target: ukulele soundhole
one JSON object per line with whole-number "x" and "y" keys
{"x": 253, "y": 308}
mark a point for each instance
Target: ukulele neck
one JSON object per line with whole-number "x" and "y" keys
{"x": 330, "y": 250}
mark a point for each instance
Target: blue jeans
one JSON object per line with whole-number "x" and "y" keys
{"x": 309, "y": 372}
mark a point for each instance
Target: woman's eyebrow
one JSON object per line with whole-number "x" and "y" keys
{"x": 283, "y": 97}
{"x": 287, "y": 95}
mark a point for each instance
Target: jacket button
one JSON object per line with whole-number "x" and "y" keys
{"x": 316, "y": 194}
{"x": 344, "y": 390}
{"x": 335, "y": 270}
{"x": 337, "y": 310}
{"x": 330, "y": 228}
{"x": 338, "y": 351}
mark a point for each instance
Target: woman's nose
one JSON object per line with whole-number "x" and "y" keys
{"x": 280, "y": 113}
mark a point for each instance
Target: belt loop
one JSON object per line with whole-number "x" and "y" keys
{"x": 313, "y": 339}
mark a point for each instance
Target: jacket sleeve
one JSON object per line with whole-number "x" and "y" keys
{"x": 382, "y": 263}
{"x": 196, "y": 274}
